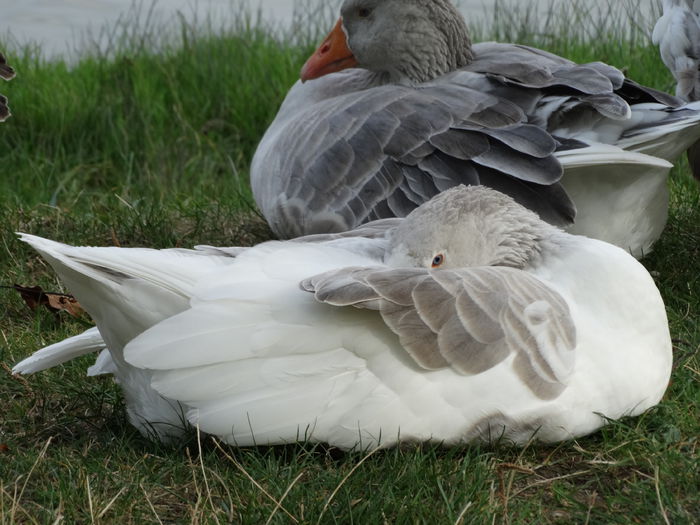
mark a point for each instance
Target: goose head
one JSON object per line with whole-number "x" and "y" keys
{"x": 404, "y": 41}
{"x": 468, "y": 226}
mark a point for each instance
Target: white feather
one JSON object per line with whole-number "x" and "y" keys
{"x": 53, "y": 355}
{"x": 629, "y": 186}
{"x": 246, "y": 354}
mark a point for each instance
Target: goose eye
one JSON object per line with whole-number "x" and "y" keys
{"x": 364, "y": 12}
{"x": 438, "y": 260}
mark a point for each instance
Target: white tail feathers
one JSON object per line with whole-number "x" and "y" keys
{"x": 56, "y": 354}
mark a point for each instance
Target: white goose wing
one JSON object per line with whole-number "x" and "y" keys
{"x": 677, "y": 33}
{"x": 470, "y": 319}
{"x": 260, "y": 362}
{"x": 383, "y": 151}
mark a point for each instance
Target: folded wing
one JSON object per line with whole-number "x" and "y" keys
{"x": 381, "y": 152}
{"x": 470, "y": 319}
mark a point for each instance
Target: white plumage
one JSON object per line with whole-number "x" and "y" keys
{"x": 354, "y": 340}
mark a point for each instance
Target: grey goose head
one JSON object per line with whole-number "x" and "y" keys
{"x": 407, "y": 41}
{"x": 468, "y": 226}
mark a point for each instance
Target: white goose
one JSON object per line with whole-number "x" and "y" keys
{"x": 425, "y": 110}
{"x": 469, "y": 319}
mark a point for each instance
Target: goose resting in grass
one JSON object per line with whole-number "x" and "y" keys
{"x": 397, "y": 105}
{"x": 471, "y": 319}
{"x": 6, "y": 73}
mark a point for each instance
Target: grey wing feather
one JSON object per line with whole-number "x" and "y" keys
{"x": 362, "y": 156}
{"x": 468, "y": 319}
{"x": 595, "y": 84}
{"x": 371, "y": 230}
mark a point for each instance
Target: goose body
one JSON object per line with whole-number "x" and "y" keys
{"x": 471, "y": 319}
{"x": 677, "y": 33}
{"x": 385, "y": 120}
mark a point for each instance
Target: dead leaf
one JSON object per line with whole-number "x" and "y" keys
{"x": 4, "y": 449}
{"x": 36, "y": 297}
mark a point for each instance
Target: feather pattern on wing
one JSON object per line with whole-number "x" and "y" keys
{"x": 380, "y": 152}
{"x": 468, "y": 319}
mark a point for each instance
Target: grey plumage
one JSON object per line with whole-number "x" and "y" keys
{"x": 376, "y": 142}
{"x": 381, "y": 152}
{"x": 468, "y": 319}
{"x": 677, "y": 33}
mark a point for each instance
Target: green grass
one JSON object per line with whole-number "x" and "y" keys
{"x": 144, "y": 148}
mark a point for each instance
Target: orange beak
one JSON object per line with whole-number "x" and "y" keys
{"x": 331, "y": 56}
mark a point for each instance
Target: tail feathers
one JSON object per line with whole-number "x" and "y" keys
{"x": 597, "y": 154}
{"x": 126, "y": 291}
{"x": 88, "y": 342}
{"x": 174, "y": 270}
{"x": 606, "y": 181}
{"x": 661, "y": 131}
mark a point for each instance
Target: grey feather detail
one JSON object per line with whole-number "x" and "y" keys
{"x": 551, "y": 203}
{"x": 371, "y": 230}
{"x": 635, "y": 93}
{"x": 467, "y": 319}
{"x": 540, "y": 73}
{"x": 688, "y": 77}
{"x": 534, "y": 68}
{"x": 677, "y": 33}
{"x": 399, "y": 204}
{"x": 527, "y": 139}
{"x": 233, "y": 251}
{"x": 463, "y": 145}
{"x": 544, "y": 171}
{"x": 380, "y": 152}
{"x": 614, "y": 75}
{"x": 446, "y": 172}
{"x": 609, "y": 105}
